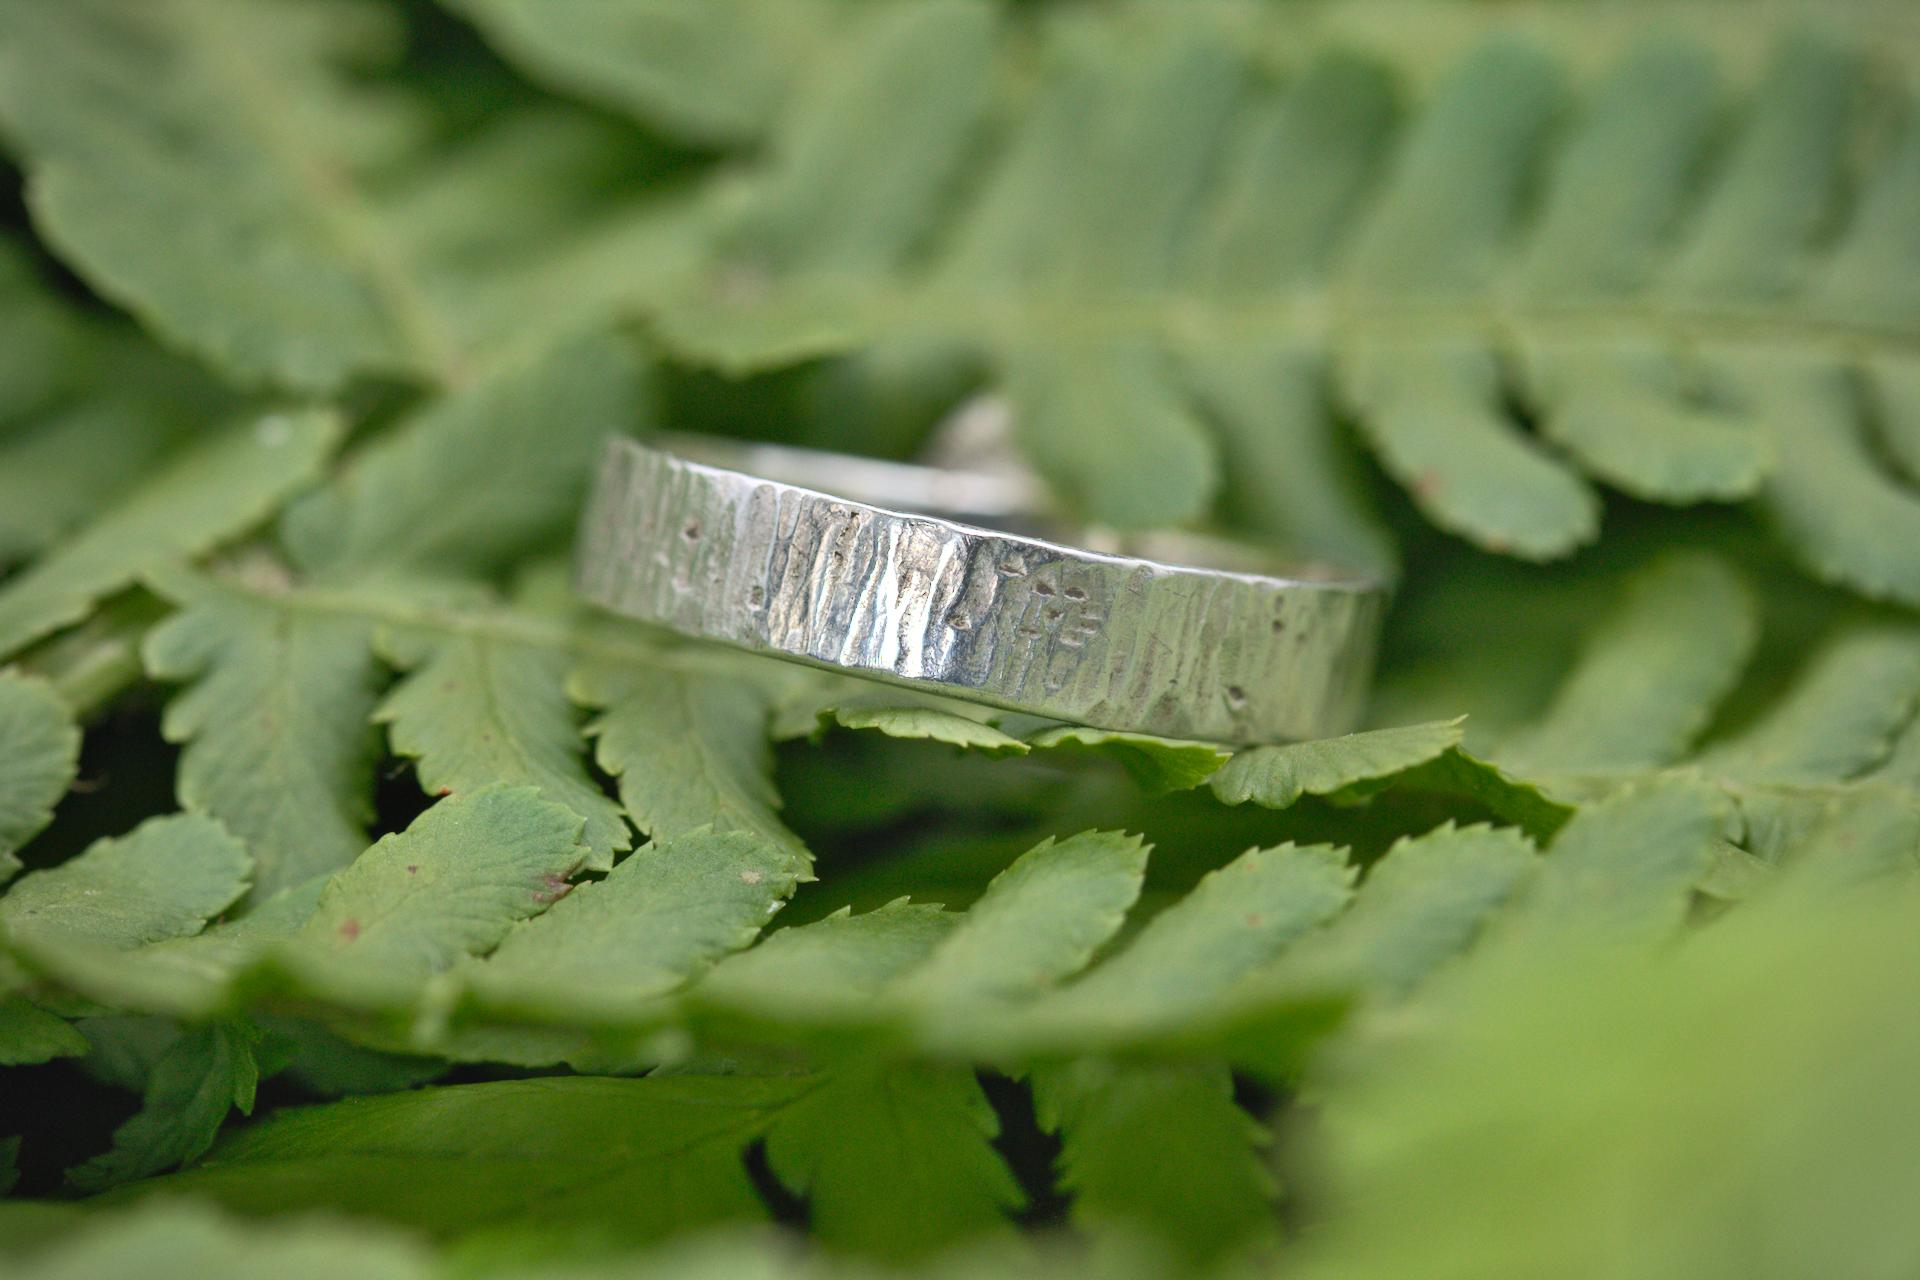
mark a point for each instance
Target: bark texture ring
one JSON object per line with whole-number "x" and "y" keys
{"x": 1179, "y": 650}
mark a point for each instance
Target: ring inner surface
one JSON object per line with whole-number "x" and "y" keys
{"x": 1004, "y": 498}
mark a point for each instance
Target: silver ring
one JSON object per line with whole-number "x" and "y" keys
{"x": 1087, "y": 636}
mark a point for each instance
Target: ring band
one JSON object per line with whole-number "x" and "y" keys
{"x": 1111, "y": 641}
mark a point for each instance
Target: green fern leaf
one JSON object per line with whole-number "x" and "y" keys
{"x": 826, "y": 972}
{"x": 205, "y": 1074}
{"x": 1237, "y": 919}
{"x": 1419, "y": 906}
{"x": 274, "y": 724}
{"x": 713, "y": 71}
{"x": 1412, "y": 759}
{"x": 1203, "y": 260}
{"x": 198, "y": 1240}
{"x": 1625, "y": 869}
{"x": 89, "y": 408}
{"x": 1038, "y": 922}
{"x": 928, "y": 723}
{"x": 688, "y": 750}
{"x": 1594, "y": 1069}
{"x": 638, "y": 1157}
{"x": 79, "y": 458}
{"x": 47, "y": 345}
{"x": 200, "y": 498}
{"x": 192, "y": 978}
{"x": 1157, "y": 764}
{"x": 1621, "y": 405}
{"x": 1901, "y": 768}
{"x": 1840, "y": 717}
{"x": 665, "y": 914}
{"x": 164, "y": 879}
{"x": 895, "y": 1160}
{"x": 1650, "y": 676}
{"x": 475, "y": 710}
{"x": 1866, "y": 836}
{"x": 39, "y": 757}
{"x": 1277, "y": 776}
{"x": 451, "y": 885}
{"x": 29, "y": 1035}
{"x": 1160, "y": 1147}
{"x": 475, "y": 478}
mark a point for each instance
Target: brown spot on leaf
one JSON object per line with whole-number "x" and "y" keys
{"x": 556, "y": 888}
{"x": 349, "y": 929}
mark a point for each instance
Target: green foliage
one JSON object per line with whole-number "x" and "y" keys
{"x": 548, "y": 944}
{"x": 43, "y": 749}
{"x": 1512, "y": 235}
{"x": 201, "y": 498}
{"x": 459, "y": 1157}
{"x": 1611, "y": 1082}
{"x": 894, "y": 1160}
{"x": 329, "y": 235}
{"x": 1164, "y": 1145}
{"x": 275, "y": 726}
{"x": 451, "y": 885}
{"x": 709, "y": 72}
{"x": 165, "y": 879}
{"x": 189, "y": 1090}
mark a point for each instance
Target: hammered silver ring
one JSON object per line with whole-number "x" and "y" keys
{"x": 928, "y": 602}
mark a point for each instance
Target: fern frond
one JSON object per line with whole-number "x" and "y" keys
{"x": 308, "y": 264}
{"x": 1582, "y": 249}
{"x": 1678, "y": 678}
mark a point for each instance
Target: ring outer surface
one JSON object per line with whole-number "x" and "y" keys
{"x": 1107, "y": 641}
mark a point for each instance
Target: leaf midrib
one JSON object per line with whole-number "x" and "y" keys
{"x": 1321, "y": 317}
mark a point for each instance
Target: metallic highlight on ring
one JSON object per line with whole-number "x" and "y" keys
{"x": 1104, "y": 640}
